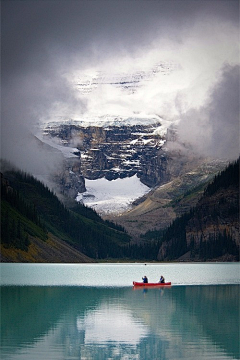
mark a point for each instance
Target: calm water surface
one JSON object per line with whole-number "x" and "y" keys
{"x": 92, "y": 312}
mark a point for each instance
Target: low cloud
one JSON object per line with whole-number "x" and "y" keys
{"x": 213, "y": 129}
{"x": 46, "y": 43}
{"x": 26, "y": 100}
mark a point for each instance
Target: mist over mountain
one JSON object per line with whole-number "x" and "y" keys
{"x": 117, "y": 90}
{"x": 46, "y": 45}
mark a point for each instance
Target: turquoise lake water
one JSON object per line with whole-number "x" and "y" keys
{"x": 54, "y": 311}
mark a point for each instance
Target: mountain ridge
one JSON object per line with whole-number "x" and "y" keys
{"x": 28, "y": 237}
{"x": 158, "y": 208}
{"x": 211, "y": 229}
{"x": 30, "y": 211}
{"x": 152, "y": 151}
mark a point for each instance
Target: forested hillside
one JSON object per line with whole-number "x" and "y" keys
{"x": 30, "y": 210}
{"x": 211, "y": 229}
{"x": 32, "y": 217}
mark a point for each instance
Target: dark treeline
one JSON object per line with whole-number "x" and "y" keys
{"x": 146, "y": 251}
{"x": 17, "y": 201}
{"x": 31, "y": 208}
{"x": 152, "y": 240}
{"x": 80, "y": 226}
{"x": 215, "y": 245}
{"x": 226, "y": 178}
{"x": 114, "y": 226}
{"x": 15, "y": 230}
{"x": 176, "y": 233}
{"x": 85, "y": 211}
{"x": 80, "y": 209}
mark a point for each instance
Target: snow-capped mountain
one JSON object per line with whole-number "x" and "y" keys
{"x": 120, "y": 142}
{"x": 106, "y": 120}
{"x": 110, "y": 162}
{"x": 111, "y": 148}
{"x": 125, "y": 81}
{"x": 117, "y": 138}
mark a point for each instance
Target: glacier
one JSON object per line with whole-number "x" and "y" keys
{"x": 114, "y": 196}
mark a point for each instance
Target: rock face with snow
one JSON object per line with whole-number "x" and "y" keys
{"x": 114, "y": 152}
{"x": 147, "y": 151}
{"x": 108, "y": 145}
{"x": 130, "y": 161}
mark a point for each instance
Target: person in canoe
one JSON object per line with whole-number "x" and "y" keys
{"x": 145, "y": 279}
{"x": 162, "y": 280}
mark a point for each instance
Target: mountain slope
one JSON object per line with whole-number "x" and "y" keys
{"x": 53, "y": 250}
{"x": 31, "y": 211}
{"x": 157, "y": 209}
{"x": 114, "y": 148}
{"x": 211, "y": 229}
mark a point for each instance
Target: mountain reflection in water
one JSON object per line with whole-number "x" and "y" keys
{"x": 182, "y": 322}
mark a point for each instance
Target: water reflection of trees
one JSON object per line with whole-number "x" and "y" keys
{"x": 171, "y": 317}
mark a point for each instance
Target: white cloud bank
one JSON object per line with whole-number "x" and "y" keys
{"x": 46, "y": 44}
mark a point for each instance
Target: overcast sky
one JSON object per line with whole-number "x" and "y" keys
{"x": 47, "y": 44}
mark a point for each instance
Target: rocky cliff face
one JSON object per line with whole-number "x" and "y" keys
{"x": 69, "y": 179}
{"x": 122, "y": 149}
{"x": 116, "y": 152}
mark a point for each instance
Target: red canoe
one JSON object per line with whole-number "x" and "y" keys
{"x": 135, "y": 283}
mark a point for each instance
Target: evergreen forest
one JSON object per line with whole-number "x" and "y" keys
{"x": 30, "y": 209}
{"x": 192, "y": 232}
